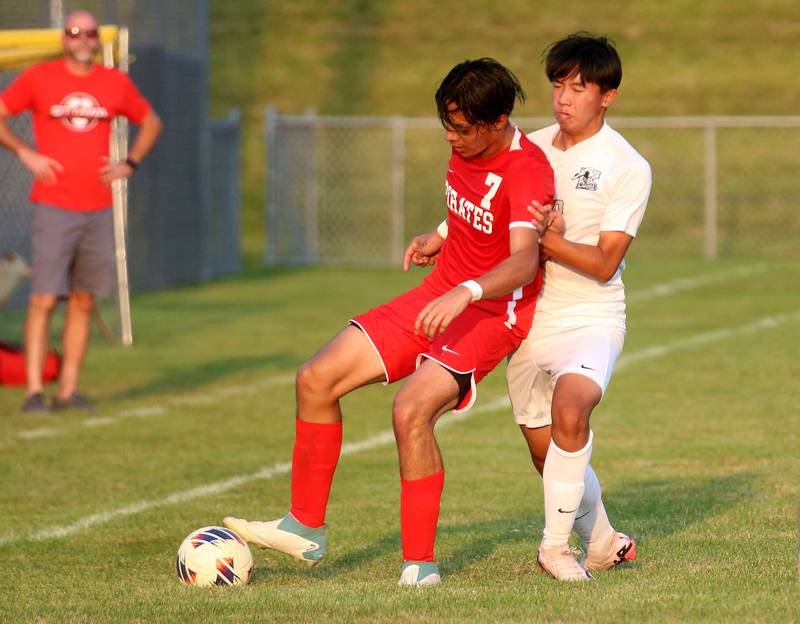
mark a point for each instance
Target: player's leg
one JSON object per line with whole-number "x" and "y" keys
{"x": 347, "y": 362}
{"x": 90, "y": 276}
{"x": 74, "y": 342}
{"x": 36, "y": 334}
{"x": 54, "y": 237}
{"x": 427, "y": 394}
{"x": 604, "y": 546}
{"x": 538, "y": 441}
{"x": 565, "y": 466}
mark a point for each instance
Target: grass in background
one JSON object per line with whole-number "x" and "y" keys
{"x": 696, "y": 447}
{"x": 386, "y": 58}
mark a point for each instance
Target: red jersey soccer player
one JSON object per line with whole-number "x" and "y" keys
{"x": 445, "y": 335}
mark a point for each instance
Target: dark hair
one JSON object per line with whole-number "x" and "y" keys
{"x": 482, "y": 91}
{"x": 594, "y": 57}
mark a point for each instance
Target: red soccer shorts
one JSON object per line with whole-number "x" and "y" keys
{"x": 474, "y": 343}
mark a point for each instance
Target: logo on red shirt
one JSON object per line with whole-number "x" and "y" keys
{"x": 80, "y": 112}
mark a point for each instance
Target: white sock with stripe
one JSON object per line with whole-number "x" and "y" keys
{"x": 591, "y": 520}
{"x": 563, "y": 478}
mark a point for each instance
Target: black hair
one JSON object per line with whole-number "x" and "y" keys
{"x": 592, "y": 56}
{"x": 482, "y": 90}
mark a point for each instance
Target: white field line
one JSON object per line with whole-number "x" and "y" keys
{"x": 659, "y": 290}
{"x": 383, "y": 438}
{"x": 698, "y": 281}
{"x": 697, "y": 340}
{"x": 159, "y": 410}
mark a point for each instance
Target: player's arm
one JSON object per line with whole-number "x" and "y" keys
{"x": 517, "y": 270}
{"x": 620, "y": 223}
{"x": 42, "y": 167}
{"x": 149, "y": 130}
{"x": 599, "y": 261}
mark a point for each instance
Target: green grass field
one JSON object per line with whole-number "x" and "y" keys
{"x": 696, "y": 446}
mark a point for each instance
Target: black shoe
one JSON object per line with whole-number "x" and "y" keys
{"x": 35, "y": 403}
{"x": 75, "y": 401}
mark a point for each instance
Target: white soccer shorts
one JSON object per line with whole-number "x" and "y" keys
{"x": 546, "y": 354}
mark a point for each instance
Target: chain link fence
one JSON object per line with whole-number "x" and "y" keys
{"x": 183, "y": 206}
{"x": 354, "y": 190}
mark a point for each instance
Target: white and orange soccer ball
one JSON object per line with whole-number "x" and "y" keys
{"x": 214, "y": 556}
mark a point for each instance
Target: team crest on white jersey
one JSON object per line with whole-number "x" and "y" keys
{"x": 587, "y": 179}
{"x": 79, "y": 111}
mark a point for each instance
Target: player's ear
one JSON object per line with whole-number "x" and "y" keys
{"x": 500, "y": 124}
{"x": 608, "y": 98}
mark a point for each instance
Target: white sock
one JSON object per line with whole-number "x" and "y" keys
{"x": 591, "y": 520}
{"x": 563, "y": 490}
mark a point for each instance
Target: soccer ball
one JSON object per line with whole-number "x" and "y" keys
{"x": 214, "y": 556}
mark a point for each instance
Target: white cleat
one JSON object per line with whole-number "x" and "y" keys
{"x": 618, "y": 549}
{"x": 419, "y": 573}
{"x": 560, "y": 563}
{"x": 285, "y": 535}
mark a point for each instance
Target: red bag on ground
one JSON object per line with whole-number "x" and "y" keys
{"x": 12, "y": 365}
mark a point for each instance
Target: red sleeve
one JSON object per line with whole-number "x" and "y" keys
{"x": 534, "y": 181}
{"x": 134, "y": 106}
{"x": 19, "y": 94}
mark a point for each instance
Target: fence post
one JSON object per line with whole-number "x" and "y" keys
{"x": 710, "y": 201}
{"x": 312, "y": 191}
{"x": 397, "y": 218}
{"x": 271, "y": 128}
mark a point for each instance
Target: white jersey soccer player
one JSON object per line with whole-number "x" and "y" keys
{"x": 602, "y": 185}
{"x": 559, "y": 375}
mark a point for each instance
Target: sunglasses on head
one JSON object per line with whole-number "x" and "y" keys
{"x": 75, "y": 32}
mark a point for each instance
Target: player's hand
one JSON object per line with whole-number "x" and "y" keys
{"x": 423, "y": 250}
{"x": 556, "y": 223}
{"x": 114, "y": 171}
{"x": 436, "y": 317}
{"x": 43, "y": 168}
{"x": 541, "y": 215}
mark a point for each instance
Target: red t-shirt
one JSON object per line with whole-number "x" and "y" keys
{"x": 485, "y": 199}
{"x": 72, "y": 124}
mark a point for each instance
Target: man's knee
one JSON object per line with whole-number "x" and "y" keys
{"x": 82, "y": 301}
{"x": 570, "y": 427}
{"x": 42, "y": 304}
{"x": 314, "y": 381}
{"x": 409, "y": 419}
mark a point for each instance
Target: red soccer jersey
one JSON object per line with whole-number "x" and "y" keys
{"x": 72, "y": 123}
{"x": 485, "y": 199}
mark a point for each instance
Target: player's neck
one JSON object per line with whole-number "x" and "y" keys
{"x": 565, "y": 139}
{"x": 504, "y": 139}
{"x": 78, "y": 68}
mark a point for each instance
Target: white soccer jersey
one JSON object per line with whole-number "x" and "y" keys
{"x": 602, "y": 184}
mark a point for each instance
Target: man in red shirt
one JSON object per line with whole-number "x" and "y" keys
{"x": 73, "y": 101}
{"x": 474, "y": 308}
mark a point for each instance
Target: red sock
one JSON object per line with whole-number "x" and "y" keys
{"x": 316, "y": 453}
{"x": 419, "y": 515}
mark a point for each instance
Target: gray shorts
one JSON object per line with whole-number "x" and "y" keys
{"x": 72, "y": 251}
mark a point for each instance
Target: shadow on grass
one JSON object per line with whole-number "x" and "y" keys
{"x": 654, "y": 508}
{"x": 183, "y": 378}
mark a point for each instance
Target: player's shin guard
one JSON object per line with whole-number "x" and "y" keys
{"x": 591, "y": 521}
{"x": 563, "y": 490}
{"x": 419, "y": 515}
{"x": 316, "y": 453}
